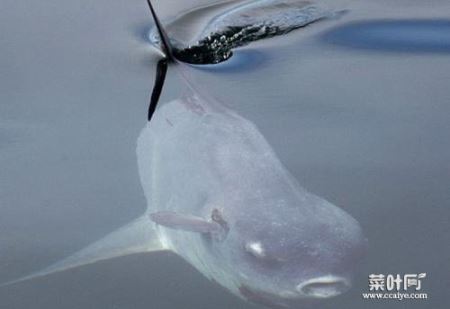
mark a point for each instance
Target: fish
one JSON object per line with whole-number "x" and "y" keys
{"x": 231, "y": 209}
{"x": 219, "y": 197}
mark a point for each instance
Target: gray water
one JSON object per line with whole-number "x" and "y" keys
{"x": 360, "y": 120}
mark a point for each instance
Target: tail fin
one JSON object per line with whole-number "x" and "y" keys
{"x": 162, "y": 33}
{"x": 136, "y": 237}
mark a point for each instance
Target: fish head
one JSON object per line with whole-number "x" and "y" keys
{"x": 284, "y": 252}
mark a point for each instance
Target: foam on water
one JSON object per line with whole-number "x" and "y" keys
{"x": 242, "y": 24}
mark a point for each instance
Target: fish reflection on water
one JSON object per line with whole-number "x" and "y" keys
{"x": 219, "y": 197}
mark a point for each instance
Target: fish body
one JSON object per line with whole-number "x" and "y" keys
{"x": 274, "y": 240}
{"x": 219, "y": 197}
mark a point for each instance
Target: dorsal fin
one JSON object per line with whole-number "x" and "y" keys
{"x": 167, "y": 47}
{"x": 161, "y": 68}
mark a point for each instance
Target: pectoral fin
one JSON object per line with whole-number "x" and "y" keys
{"x": 184, "y": 222}
{"x": 136, "y": 237}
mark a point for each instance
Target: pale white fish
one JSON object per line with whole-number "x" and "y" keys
{"x": 218, "y": 196}
{"x": 260, "y": 234}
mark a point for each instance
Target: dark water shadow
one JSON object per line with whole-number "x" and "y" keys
{"x": 242, "y": 61}
{"x": 405, "y": 35}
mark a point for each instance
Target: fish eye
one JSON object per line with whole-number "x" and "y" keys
{"x": 256, "y": 249}
{"x": 261, "y": 257}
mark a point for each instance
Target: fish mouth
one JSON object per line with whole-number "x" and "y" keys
{"x": 315, "y": 288}
{"x": 324, "y": 287}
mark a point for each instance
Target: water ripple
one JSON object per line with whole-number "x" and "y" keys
{"x": 243, "y": 24}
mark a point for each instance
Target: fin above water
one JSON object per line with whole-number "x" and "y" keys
{"x": 161, "y": 71}
{"x": 162, "y": 33}
{"x": 136, "y": 237}
{"x": 161, "y": 68}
